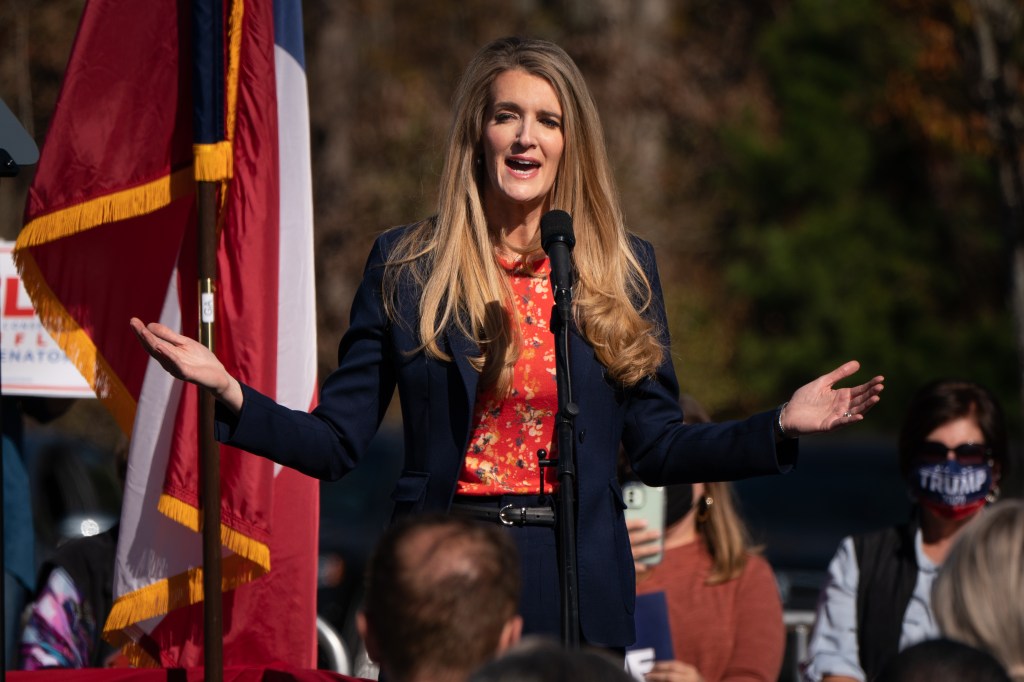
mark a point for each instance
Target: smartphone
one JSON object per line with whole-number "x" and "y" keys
{"x": 647, "y": 503}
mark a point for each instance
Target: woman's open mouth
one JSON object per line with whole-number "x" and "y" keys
{"x": 521, "y": 166}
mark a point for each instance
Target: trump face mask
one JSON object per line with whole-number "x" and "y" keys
{"x": 950, "y": 489}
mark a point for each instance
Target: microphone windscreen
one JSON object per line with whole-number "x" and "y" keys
{"x": 556, "y": 226}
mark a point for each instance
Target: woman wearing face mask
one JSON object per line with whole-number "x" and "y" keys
{"x": 877, "y": 601}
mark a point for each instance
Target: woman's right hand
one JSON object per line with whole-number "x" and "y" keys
{"x": 187, "y": 359}
{"x": 641, "y": 542}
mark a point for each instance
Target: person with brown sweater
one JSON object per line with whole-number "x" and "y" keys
{"x": 723, "y": 603}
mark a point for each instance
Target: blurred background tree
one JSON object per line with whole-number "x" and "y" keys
{"x": 864, "y": 220}
{"x": 822, "y": 179}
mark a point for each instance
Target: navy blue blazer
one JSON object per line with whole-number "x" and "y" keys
{"x": 437, "y": 400}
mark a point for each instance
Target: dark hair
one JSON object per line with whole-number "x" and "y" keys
{"x": 538, "y": 659}
{"x": 943, "y": 660}
{"x": 439, "y": 591}
{"x": 945, "y": 400}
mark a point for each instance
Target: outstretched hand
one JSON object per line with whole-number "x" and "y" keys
{"x": 186, "y": 359}
{"x": 820, "y": 406}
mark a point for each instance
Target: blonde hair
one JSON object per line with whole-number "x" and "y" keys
{"x": 724, "y": 534}
{"x": 451, "y": 256}
{"x": 978, "y": 596}
{"x": 719, "y": 524}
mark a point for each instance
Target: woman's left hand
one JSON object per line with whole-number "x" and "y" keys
{"x": 820, "y": 406}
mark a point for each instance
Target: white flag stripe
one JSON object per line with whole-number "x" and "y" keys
{"x": 170, "y": 547}
{"x": 296, "y": 334}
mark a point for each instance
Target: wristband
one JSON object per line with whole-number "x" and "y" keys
{"x": 778, "y": 421}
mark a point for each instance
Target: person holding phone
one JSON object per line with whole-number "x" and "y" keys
{"x": 723, "y": 602}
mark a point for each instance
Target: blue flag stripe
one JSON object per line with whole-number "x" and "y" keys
{"x": 288, "y": 29}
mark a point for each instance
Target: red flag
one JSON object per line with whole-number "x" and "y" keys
{"x": 110, "y": 234}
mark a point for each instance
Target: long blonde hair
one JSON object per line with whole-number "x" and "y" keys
{"x": 451, "y": 256}
{"x": 719, "y": 523}
{"x": 723, "y": 532}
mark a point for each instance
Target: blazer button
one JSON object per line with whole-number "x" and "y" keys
{"x": 583, "y": 434}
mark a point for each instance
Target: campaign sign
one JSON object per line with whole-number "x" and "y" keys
{"x": 32, "y": 362}
{"x": 653, "y": 635}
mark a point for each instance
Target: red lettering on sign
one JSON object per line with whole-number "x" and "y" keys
{"x": 11, "y": 307}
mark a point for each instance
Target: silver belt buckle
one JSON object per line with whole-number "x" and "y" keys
{"x": 509, "y": 508}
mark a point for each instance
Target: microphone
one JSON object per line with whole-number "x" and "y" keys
{"x": 557, "y": 240}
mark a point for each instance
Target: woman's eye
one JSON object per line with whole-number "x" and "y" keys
{"x": 503, "y": 117}
{"x": 551, "y": 123}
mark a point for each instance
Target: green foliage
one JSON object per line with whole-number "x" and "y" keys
{"x": 844, "y": 245}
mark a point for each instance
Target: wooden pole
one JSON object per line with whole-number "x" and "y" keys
{"x": 209, "y": 450}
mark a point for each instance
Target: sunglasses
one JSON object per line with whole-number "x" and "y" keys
{"x": 966, "y": 453}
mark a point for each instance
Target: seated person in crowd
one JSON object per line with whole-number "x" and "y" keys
{"x": 979, "y": 595}
{"x": 64, "y": 623}
{"x": 877, "y": 600}
{"x": 442, "y": 595}
{"x": 540, "y": 659}
{"x": 65, "y": 620}
{"x": 942, "y": 660}
{"x": 723, "y": 602}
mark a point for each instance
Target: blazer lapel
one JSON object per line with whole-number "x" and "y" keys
{"x": 463, "y": 348}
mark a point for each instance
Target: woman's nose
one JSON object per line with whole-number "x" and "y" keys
{"x": 525, "y": 137}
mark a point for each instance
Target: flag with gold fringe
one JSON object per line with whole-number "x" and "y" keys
{"x": 111, "y": 232}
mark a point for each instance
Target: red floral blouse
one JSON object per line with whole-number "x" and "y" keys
{"x": 502, "y": 454}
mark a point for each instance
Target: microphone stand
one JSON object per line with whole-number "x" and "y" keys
{"x": 565, "y": 429}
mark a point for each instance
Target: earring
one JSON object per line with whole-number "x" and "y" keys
{"x": 993, "y": 493}
{"x": 704, "y": 508}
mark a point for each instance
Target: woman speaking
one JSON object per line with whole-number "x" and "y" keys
{"x": 454, "y": 312}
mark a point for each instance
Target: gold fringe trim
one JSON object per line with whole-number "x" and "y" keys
{"x": 159, "y": 598}
{"x": 231, "y": 105}
{"x": 135, "y": 653}
{"x": 234, "y": 60}
{"x": 110, "y": 208}
{"x": 156, "y": 599}
{"x": 239, "y": 543}
{"x": 137, "y": 656}
{"x": 255, "y": 551}
{"x": 178, "y": 511}
{"x": 76, "y": 344}
{"x": 213, "y": 162}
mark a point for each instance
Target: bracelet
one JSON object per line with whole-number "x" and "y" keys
{"x": 778, "y": 420}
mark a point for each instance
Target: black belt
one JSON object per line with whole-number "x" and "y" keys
{"x": 506, "y": 514}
